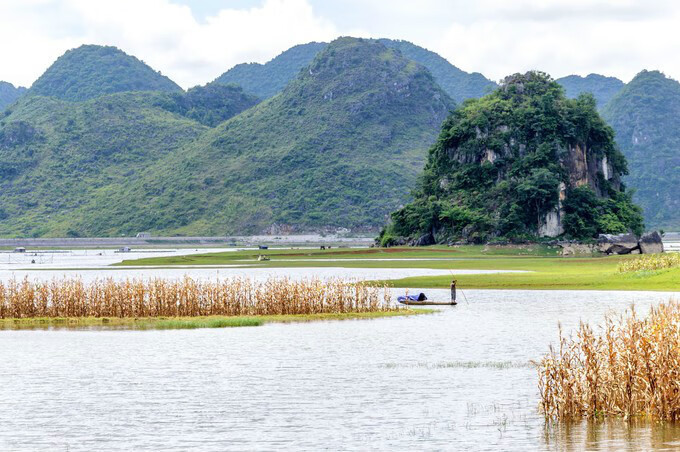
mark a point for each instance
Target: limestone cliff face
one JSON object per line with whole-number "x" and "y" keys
{"x": 583, "y": 169}
{"x": 580, "y": 164}
{"x": 523, "y": 161}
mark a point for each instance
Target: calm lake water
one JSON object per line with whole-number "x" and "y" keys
{"x": 456, "y": 380}
{"x": 96, "y": 264}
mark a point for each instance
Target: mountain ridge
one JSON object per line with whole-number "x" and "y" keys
{"x": 9, "y": 94}
{"x": 266, "y": 80}
{"x": 603, "y": 88}
{"x": 646, "y": 117}
{"x": 91, "y": 71}
{"x": 339, "y": 147}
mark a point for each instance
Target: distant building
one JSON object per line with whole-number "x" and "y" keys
{"x": 20, "y": 249}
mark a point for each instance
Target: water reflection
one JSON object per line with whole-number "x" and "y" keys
{"x": 612, "y": 434}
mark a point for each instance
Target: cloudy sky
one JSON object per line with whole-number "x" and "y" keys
{"x": 194, "y": 41}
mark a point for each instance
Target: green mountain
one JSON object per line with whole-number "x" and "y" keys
{"x": 601, "y": 87}
{"x": 521, "y": 162}
{"x": 340, "y": 147}
{"x": 266, "y": 80}
{"x": 9, "y": 94}
{"x": 91, "y": 71}
{"x": 459, "y": 84}
{"x": 57, "y": 157}
{"x": 211, "y": 104}
{"x": 646, "y": 117}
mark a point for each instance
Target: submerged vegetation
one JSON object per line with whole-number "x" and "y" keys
{"x": 72, "y": 298}
{"x": 173, "y": 323}
{"x": 650, "y": 262}
{"x": 631, "y": 369}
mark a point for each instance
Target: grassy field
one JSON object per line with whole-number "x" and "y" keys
{"x": 169, "y": 323}
{"x": 545, "y": 268}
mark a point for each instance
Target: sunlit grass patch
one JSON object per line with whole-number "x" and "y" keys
{"x": 156, "y": 323}
{"x": 206, "y": 323}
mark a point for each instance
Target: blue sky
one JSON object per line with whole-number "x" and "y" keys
{"x": 194, "y": 41}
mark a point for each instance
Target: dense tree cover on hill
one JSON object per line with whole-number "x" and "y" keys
{"x": 114, "y": 148}
{"x": 9, "y": 94}
{"x": 61, "y": 160}
{"x": 458, "y": 84}
{"x": 91, "y": 71}
{"x": 601, "y": 87}
{"x": 646, "y": 117}
{"x": 498, "y": 165}
{"x": 266, "y": 80}
{"x": 339, "y": 147}
{"x": 211, "y": 104}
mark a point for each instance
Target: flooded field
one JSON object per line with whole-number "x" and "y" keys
{"x": 459, "y": 379}
{"x": 96, "y": 264}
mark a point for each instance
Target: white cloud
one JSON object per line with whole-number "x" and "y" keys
{"x": 495, "y": 37}
{"x": 165, "y": 35}
{"x": 611, "y": 38}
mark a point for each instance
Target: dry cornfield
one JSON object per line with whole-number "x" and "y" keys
{"x": 650, "y": 262}
{"x": 188, "y": 298}
{"x": 631, "y": 369}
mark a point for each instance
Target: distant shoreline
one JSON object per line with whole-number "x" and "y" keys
{"x": 227, "y": 241}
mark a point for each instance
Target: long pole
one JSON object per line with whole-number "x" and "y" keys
{"x": 461, "y": 291}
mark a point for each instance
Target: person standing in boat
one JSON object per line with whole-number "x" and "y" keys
{"x": 453, "y": 291}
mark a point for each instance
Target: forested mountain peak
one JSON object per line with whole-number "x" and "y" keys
{"x": 601, "y": 87}
{"x": 339, "y": 147}
{"x": 460, "y": 85}
{"x": 521, "y": 162}
{"x": 91, "y": 70}
{"x": 646, "y": 117}
{"x": 266, "y": 80}
{"x": 9, "y": 93}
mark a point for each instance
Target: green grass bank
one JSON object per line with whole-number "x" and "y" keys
{"x": 173, "y": 323}
{"x": 542, "y": 265}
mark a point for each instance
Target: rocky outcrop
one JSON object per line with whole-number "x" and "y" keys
{"x": 617, "y": 243}
{"x": 552, "y": 224}
{"x": 423, "y": 240}
{"x": 577, "y": 249}
{"x": 649, "y": 243}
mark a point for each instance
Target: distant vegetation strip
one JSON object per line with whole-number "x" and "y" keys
{"x": 189, "y": 298}
{"x": 630, "y": 369}
{"x": 173, "y": 323}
